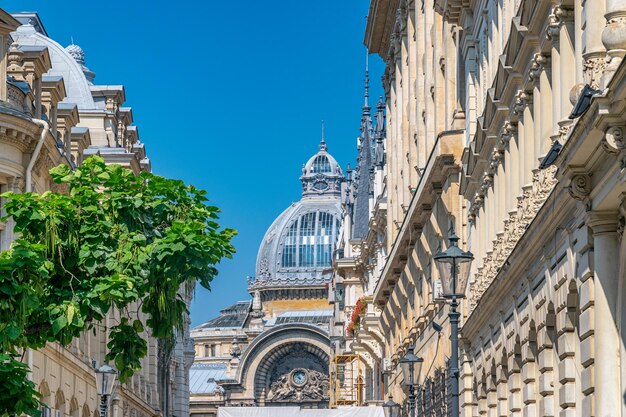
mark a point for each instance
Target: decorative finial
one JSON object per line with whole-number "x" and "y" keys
{"x": 322, "y": 142}
{"x": 71, "y": 40}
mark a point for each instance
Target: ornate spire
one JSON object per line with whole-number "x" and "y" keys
{"x": 322, "y": 142}
{"x": 366, "y": 106}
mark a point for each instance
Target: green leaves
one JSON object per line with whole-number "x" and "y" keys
{"x": 113, "y": 241}
{"x": 18, "y": 395}
{"x": 126, "y": 348}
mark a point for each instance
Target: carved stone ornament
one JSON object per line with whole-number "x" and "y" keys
{"x": 580, "y": 186}
{"x": 522, "y": 99}
{"x": 539, "y": 63}
{"x": 593, "y": 68}
{"x": 614, "y": 141}
{"x": 300, "y": 385}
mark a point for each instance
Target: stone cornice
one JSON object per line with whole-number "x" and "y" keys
{"x": 380, "y": 24}
{"x": 444, "y": 160}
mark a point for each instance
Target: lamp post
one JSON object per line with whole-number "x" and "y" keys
{"x": 391, "y": 408}
{"x": 105, "y": 382}
{"x": 454, "y": 267}
{"x": 411, "y": 366}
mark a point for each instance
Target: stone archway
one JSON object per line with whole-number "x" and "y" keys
{"x": 293, "y": 373}
{"x": 288, "y": 365}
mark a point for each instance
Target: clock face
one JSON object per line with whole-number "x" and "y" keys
{"x": 298, "y": 377}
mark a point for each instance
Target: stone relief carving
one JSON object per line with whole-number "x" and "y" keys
{"x": 528, "y": 204}
{"x": 300, "y": 385}
{"x": 593, "y": 68}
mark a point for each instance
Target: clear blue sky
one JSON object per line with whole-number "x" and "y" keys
{"x": 228, "y": 96}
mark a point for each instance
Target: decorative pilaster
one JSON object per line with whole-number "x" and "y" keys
{"x": 606, "y": 254}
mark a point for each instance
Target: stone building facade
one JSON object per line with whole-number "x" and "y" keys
{"x": 51, "y": 113}
{"x": 274, "y": 349}
{"x": 505, "y": 123}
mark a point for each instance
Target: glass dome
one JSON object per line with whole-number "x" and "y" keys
{"x": 297, "y": 248}
{"x": 308, "y": 242}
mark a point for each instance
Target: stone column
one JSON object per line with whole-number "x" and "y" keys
{"x": 614, "y": 36}
{"x": 607, "y": 344}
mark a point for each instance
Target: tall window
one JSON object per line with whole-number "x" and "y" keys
{"x": 321, "y": 165}
{"x": 307, "y": 240}
{"x": 206, "y": 351}
{"x": 289, "y": 250}
{"x": 212, "y": 350}
{"x": 324, "y": 239}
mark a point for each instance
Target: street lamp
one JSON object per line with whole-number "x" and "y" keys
{"x": 454, "y": 267}
{"x": 105, "y": 382}
{"x": 391, "y": 408}
{"x": 411, "y": 366}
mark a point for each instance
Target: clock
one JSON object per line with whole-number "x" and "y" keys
{"x": 298, "y": 377}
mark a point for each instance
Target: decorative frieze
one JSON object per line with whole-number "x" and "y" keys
{"x": 528, "y": 205}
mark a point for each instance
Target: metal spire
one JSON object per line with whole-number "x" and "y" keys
{"x": 322, "y": 142}
{"x": 366, "y": 106}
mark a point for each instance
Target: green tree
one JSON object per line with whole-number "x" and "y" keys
{"x": 112, "y": 240}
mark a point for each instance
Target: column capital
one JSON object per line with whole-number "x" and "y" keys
{"x": 603, "y": 222}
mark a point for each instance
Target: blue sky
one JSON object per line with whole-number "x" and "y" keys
{"x": 228, "y": 96}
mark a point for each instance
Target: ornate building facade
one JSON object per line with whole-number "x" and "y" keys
{"x": 51, "y": 113}
{"x": 274, "y": 350}
{"x": 505, "y": 124}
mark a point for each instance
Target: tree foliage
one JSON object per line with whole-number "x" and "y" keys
{"x": 113, "y": 241}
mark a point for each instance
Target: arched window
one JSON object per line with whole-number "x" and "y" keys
{"x": 321, "y": 165}
{"x": 307, "y": 239}
{"x": 324, "y": 239}
{"x": 289, "y": 250}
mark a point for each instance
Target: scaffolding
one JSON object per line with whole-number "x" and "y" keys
{"x": 346, "y": 380}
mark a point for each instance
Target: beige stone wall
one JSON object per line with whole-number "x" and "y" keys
{"x": 477, "y": 93}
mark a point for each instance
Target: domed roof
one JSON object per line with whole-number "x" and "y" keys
{"x": 297, "y": 248}
{"x": 321, "y": 175}
{"x": 76, "y": 52}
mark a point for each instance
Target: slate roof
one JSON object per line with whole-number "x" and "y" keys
{"x": 233, "y": 316}
{"x": 203, "y": 377}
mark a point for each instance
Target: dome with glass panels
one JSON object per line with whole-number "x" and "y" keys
{"x": 297, "y": 249}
